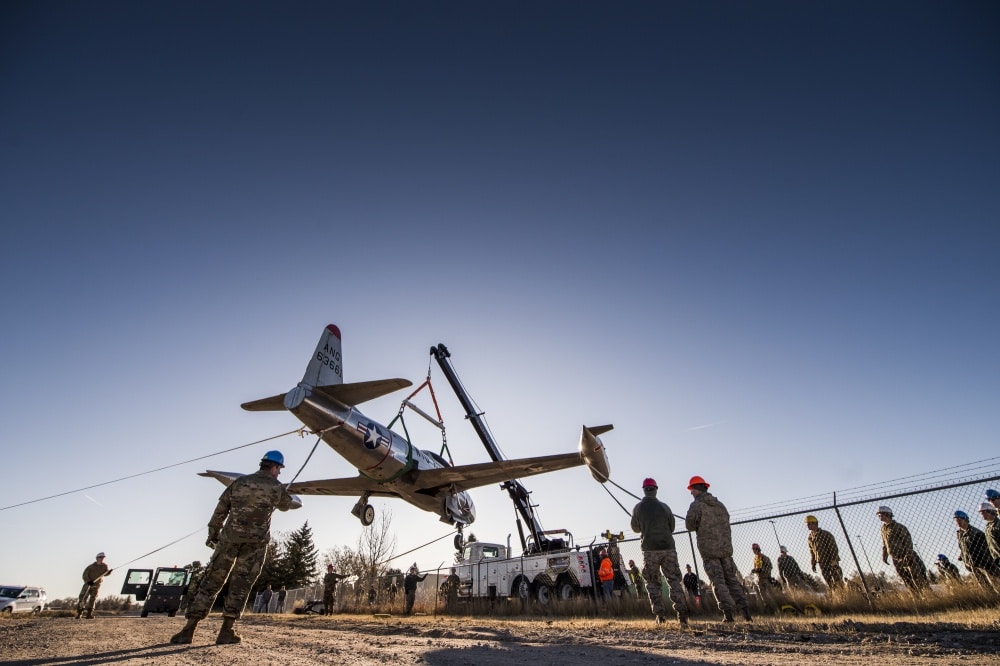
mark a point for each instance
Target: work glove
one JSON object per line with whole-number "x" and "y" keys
{"x": 212, "y": 542}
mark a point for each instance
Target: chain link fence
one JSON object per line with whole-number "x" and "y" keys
{"x": 851, "y": 517}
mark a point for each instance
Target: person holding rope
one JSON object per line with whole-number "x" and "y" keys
{"x": 93, "y": 576}
{"x": 655, "y": 522}
{"x": 709, "y": 519}
{"x": 238, "y": 532}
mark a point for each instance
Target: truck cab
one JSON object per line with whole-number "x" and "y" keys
{"x": 161, "y": 589}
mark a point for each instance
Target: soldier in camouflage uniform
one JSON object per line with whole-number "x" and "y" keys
{"x": 197, "y": 572}
{"x": 824, "y": 552}
{"x": 992, "y": 530}
{"x": 709, "y": 519}
{"x": 93, "y": 576}
{"x": 976, "y": 553}
{"x": 897, "y": 543}
{"x": 655, "y": 522}
{"x": 238, "y": 532}
{"x": 329, "y": 587}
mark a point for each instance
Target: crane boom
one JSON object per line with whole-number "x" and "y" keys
{"x": 519, "y": 495}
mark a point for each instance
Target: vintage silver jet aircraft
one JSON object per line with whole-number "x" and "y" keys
{"x": 388, "y": 465}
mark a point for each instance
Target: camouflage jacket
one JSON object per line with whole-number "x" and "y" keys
{"x": 896, "y": 541}
{"x": 246, "y": 506}
{"x": 655, "y": 522}
{"x": 823, "y": 548}
{"x": 975, "y": 550}
{"x": 788, "y": 568}
{"x": 330, "y": 581}
{"x": 93, "y": 572}
{"x": 762, "y": 566}
{"x": 709, "y": 519}
{"x": 992, "y": 533}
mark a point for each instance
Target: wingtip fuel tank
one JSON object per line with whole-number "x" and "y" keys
{"x": 593, "y": 452}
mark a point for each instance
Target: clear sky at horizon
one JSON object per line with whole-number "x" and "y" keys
{"x": 761, "y": 239}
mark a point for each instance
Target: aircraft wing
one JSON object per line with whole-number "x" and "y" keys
{"x": 352, "y": 486}
{"x": 225, "y": 478}
{"x": 464, "y": 477}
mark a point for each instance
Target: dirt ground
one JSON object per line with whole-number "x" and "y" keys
{"x": 446, "y": 641}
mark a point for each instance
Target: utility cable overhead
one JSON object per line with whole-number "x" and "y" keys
{"x": 158, "y": 469}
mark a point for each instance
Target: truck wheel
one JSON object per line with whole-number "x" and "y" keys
{"x": 171, "y": 613}
{"x": 521, "y": 589}
{"x": 144, "y": 613}
{"x": 544, "y": 594}
{"x": 565, "y": 591}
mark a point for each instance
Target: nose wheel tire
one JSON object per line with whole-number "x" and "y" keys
{"x": 367, "y": 515}
{"x": 459, "y": 541}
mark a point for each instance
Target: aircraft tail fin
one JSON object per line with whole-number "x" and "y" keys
{"x": 326, "y": 365}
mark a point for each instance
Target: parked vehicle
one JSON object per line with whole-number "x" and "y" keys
{"x": 162, "y": 589}
{"x": 22, "y": 599}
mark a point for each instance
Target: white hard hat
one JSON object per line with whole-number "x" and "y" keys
{"x": 100, "y": 554}
{"x": 884, "y": 509}
{"x": 986, "y": 506}
{"x": 783, "y": 549}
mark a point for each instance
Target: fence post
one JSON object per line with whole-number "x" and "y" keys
{"x": 850, "y": 546}
{"x": 693, "y": 558}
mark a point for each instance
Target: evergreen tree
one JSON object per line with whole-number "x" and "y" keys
{"x": 299, "y": 559}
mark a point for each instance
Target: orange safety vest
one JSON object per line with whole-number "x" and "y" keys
{"x": 606, "y": 573}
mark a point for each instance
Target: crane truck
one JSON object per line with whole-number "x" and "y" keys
{"x": 550, "y": 565}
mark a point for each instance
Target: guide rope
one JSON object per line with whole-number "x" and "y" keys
{"x": 158, "y": 469}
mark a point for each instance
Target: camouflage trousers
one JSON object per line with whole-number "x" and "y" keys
{"x": 653, "y": 563}
{"x": 725, "y": 581}
{"x": 911, "y": 571}
{"x": 241, "y": 564}
{"x": 328, "y": 602}
{"x": 832, "y": 574}
{"x": 88, "y": 597}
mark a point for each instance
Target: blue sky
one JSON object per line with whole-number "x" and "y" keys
{"x": 759, "y": 238}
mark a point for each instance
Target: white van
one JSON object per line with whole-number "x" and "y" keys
{"x": 21, "y": 599}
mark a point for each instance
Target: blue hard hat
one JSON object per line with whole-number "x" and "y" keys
{"x": 961, "y": 514}
{"x": 274, "y": 457}
{"x": 992, "y": 494}
{"x": 942, "y": 556}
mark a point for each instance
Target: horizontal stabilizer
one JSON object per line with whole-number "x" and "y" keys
{"x": 359, "y": 392}
{"x": 276, "y": 403}
{"x": 597, "y": 431}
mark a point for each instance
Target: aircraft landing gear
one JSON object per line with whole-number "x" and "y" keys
{"x": 459, "y": 540}
{"x": 364, "y": 511}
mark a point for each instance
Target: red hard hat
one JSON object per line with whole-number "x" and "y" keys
{"x": 695, "y": 480}
{"x": 649, "y": 483}
{"x": 755, "y": 547}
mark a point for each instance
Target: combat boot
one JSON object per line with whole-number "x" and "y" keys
{"x": 727, "y": 616}
{"x": 185, "y": 635}
{"x": 79, "y": 613}
{"x": 683, "y": 619}
{"x": 746, "y": 615}
{"x": 227, "y": 635}
{"x": 89, "y": 615}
